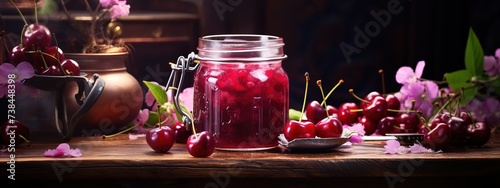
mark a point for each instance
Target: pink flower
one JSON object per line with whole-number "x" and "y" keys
{"x": 119, "y": 9}
{"x": 135, "y": 136}
{"x": 63, "y": 150}
{"x": 406, "y": 75}
{"x": 107, "y": 3}
{"x": 394, "y": 147}
{"x": 492, "y": 64}
{"x": 186, "y": 98}
{"x": 423, "y": 92}
{"x": 417, "y": 148}
{"x": 14, "y": 74}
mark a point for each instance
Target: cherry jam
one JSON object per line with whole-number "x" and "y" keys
{"x": 241, "y": 92}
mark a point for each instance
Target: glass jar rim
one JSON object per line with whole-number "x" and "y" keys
{"x": 240, "y": 46}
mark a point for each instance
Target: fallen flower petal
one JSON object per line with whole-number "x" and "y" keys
{"x": 63, "y": 150}
{"x": 394, "y": 147}
{"x": 135, "y": 136}
{"x": 417, "y": 148}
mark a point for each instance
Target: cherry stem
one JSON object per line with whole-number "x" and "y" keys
{"x": 19, "y": 11}
{"x": 331, "y": 91}
{"x": 36, "y": 12}
{"x": 118, "y": 133}
{"x": 351, "y": 91}
{"x": 381, "y": 72}
{"x": 305, "y": 96}
{"x": 24, "y": 138}
{"x": 356, "y": 110}
{"x": 323, "y": 95}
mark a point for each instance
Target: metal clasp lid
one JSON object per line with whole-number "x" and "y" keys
{"x": 175, "y": 83}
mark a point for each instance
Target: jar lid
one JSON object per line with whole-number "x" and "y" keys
{"x": 240, "y": 47}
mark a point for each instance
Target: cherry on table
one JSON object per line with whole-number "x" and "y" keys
{"x": 16, "y": 130}
{"x": 181, "y": 132}
{"x": 376, "y": 109}
{"x": 438, "y": 138}
{"x": 160, "y": 139}
{"x": 393, "y": 104}
{"x": 202, "y": 145}
{"x": 458, "y": 129}
{"x": 478, "y": 134}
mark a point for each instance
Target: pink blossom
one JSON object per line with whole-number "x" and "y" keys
{"x": 492, "y": 64}
{"x": 15, "y": 75}
{"x": 63, "y": 150}
{"x": 135, "y": 136}
{"x": 107, "y": 3}
{"x": 423, "y": 92}
{"x": 394, "y": 147}
{"x": 418, "y": 148}
{"x": 406, "y": 75}
{"x": 119, "y": 9}
{"x": 355, "y": 139}
{"x": 186, "y": 98}
{"x": 23, "y": 70}
{"x": 357, "y": 128}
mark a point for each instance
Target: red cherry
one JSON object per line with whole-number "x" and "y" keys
{"x": 160, "y": 139}
{"x": 299, "y": 129}
{"x": 52, "y": 71}
{"x": 369, "y": 125}
{"x": 386, "y": 125}
{"x": 331, "y": 110}
{"x": 70, "y": 67}
{"x": 15, "y": 130}
{"x": 55, "y": 52}
{"x": 315, "y": 112}
{"x": 408, "y": 122}
{"x": 458, "y": 129}
{"x": 376, "y": 109}
{"x": 393, "y": 104}
{"x": 368, "y": 98}
{"x": 181, "y": 132}
{"x": 438, "y": 138}
{"x": 478, "y": 134}
{"x": 345, "y": 115}
{"x": 36, "y": 37}
{"x": 201, "y": 146}
{"x": 465, "y": 116}
{"x": 329, "y": 128}
{"x": 17, "y": 55}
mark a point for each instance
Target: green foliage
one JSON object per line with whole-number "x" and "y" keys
{"x": 474, "y": 55}
{"x": 158, "y": 92}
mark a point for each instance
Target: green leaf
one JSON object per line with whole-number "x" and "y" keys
{"x": 158, "y": 92}
{"x": 153, "y": 118}
{"x": 474, "y": 55}
{"x": 294, "y": 114}
{"x": 461, "y": 79}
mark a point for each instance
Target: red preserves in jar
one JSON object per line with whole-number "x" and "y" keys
{"x": 241, "y": 92}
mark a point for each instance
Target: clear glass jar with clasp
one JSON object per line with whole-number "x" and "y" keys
{"x": 241, "y": 92}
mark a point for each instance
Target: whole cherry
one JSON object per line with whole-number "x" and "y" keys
{"x": 393, "y": 104}
{"x": 478, "y": 134}
{"x": 181, "y": 132}
{"x": 369, "y": 125}
{"x": 315, "y": 112}
{"x": 201, "y": 145}
{"x": 70, "y": 67}
{"x": 160, "y": 139}
{"x": 329, "y": 127}
{"x": 386, "y": 125}
{"x": 36, "y": 37}
{"x": 299, "y": 129}
{"x": 14, "y": 132}
{"x": 458, "y": 129}
{"x": 438, "y": 138}
{"x": 347, "y": 113}
{"x": 376, "y": 109}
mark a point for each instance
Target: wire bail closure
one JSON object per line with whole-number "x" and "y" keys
{"x": 175, "y": 82}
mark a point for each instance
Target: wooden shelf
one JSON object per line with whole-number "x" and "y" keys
{"x": 120, "y": 161}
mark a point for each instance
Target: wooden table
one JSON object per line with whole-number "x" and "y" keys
{"x": 120, "y": 162}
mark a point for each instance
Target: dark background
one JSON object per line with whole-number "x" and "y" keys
{"x": 434, "y": 31}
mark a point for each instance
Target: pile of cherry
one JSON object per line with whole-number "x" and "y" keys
{"x": 380, "y": 114}
{"x": 37, "y": 49}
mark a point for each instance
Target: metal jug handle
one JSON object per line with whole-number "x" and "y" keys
{"x": 88, "y": 93}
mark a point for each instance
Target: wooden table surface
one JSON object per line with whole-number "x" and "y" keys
{"x": 120, "y": 162}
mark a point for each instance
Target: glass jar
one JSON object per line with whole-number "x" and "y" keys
{"x": 241, "y": 92}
